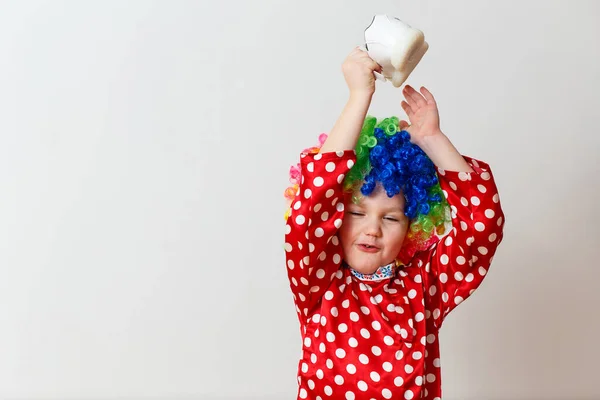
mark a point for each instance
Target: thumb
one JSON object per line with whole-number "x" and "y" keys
{"x": 403, "y": 124}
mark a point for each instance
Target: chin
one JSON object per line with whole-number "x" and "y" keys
{"x": 364, "y": 266}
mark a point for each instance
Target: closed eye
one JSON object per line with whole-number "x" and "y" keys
{"x": 355, "y": 213}
{"x": 391, "y": 219}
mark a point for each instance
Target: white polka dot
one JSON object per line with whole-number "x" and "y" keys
{"x": 475, "y": 201}
{"x": 463, "y": 225}
{"x": 323, "y": 320}
{"x": 322, "y": 348}
{"x": 302, "y": 393}
{"x": 376, "y": 325}
{"x": 443, "y": 277}
{"x": 430, "y": 378}
{"x": 334, "y": 311}
{"x": 453, "y": 185}
{"x": 408, "y": 395}
{"x": 318, "y": 156}
{"x": 444, "y": 259}
{"x": 363, "y": 359}
{"x": 375, "y": 376}
{"x": 490, "y": 213}
{"x": 352, "y": 342}
{"x": 398, "y": 381}
{"x": 469, "y": 277}
{"x": 417, "y": 355}
{"x": 350, "y": 396}
{"x": 482, "y": 250}
{"x": 460, "y": 260}
{"x": 387, "y": 366}
{"x": 328, "y": 295}
{"x": 376, "y": 350}
{"x": 436, "y": 312}
{"x": 412, "y": 293}
{"x": 365, "y": 333}
{"x": 339, "y": 379}
{"x": 330, "y": 337}
{"x": 388, "y": 340}
{"x": 463, "y": 176}
{"x": 496, "y": 198}
{"x": 319, "y": 232}
{"x": 481, "y": 188}
{"x": 346, "y": 303}
{"x": 419, "y": 316}
{"x": 436, "y": 362}
{"x": 408, "y": 368}
{"x": 307, "y": 193}
{"x": 313, "y": 358}
{"x": 328, "y": 390}
{"x": 350, "y": 163}
{"x": 337, "y": 223}
{"x": 364, "y": 309}
{"x": 324, "y": 216}
{"x": 342, "y": 328}
{"x": 340, "y": 207}
{"x": 304, "y": 367}
{"x": 320, "y": 374}
{"x": 320, "y": 274}
{"x": 479, "y": 226}
{"x": 458, "y": 300}
{"x": 464, "y": 201}
{"x": 330, "y": 166}
{"x": 362, "y": 385}
{"x": 430, "y": 338}
{"x": 318, "y": 181}
{"x": 311, "y": 384}
{"x": 329, "y": 364}
{"x": 341, "y": 353}
{"x": 386, "y": 393}
{"x": 307, "y": 342}
{"x": 458, "y": 276}
{"x": 300, "y": 220}
{"x": 310, "y": 167}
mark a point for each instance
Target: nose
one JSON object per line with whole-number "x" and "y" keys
{"x": 372, "y": 227}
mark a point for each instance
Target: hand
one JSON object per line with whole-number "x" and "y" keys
{"x": 358, "y": 71}
{"x": 422, "y": 112}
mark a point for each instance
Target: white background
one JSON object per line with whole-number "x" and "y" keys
{"x": 144, "y": 151}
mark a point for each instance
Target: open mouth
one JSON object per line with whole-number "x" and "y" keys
{"x": 367, "y": 248}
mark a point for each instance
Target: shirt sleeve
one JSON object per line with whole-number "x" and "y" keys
{"x": 454, "y": 267}
{"x": 312, "y": 248}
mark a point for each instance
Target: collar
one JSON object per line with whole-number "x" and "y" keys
{"x": 385, "y": 272}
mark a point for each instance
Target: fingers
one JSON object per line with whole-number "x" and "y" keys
{"x": 403, "y": 124}
{"x": 414, "y": 98}
{"x": 407, "y": 109}
{"x": 428, "y": 96}
{"x": 361, "y": 55}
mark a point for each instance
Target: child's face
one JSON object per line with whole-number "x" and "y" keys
{"x": 377, "y": 221}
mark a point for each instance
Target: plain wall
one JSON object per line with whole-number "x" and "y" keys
{"x": 144, "y": 151}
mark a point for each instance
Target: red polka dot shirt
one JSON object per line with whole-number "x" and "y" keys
{"x": 364, "y": 339}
